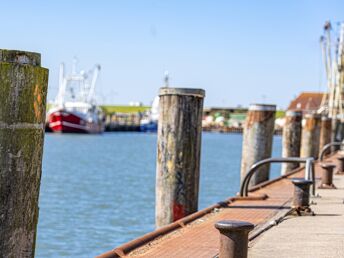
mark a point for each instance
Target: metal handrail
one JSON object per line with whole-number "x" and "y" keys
{"x": 326, "y": 147}
{"x": 309, "y": 170}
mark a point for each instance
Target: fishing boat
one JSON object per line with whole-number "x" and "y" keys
{"x": 149, "y": 123}
{"x": 75, "y": 109}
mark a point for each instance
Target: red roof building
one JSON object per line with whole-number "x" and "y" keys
{"x": 307, "y": 102}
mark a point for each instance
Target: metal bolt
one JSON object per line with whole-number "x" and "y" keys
{"x": 340, "y": 165}
{"x": 301, "y": 193}
{"x": 233, "y": 238}
{"x": 327, "y": 176}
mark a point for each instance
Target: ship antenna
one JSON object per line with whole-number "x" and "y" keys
{"x": 166, "y": 79}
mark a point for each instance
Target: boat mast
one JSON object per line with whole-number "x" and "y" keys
{"x": 332, "y": 101}
{"x": 340, "y": 69}
{"x": 62, "y": 86}
{"x": 96, "y": 71}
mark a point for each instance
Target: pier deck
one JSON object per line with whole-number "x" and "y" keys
{"x": 307, "y": 236}
{"x": 200, "y": 238}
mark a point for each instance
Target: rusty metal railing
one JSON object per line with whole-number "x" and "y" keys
{"x": 309, "y": 171}
{"x": 326, "y": 147}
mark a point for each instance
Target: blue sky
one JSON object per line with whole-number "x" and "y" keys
{"x": 240, "y": 52}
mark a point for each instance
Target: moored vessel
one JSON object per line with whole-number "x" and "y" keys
{"x": 75, "y": 109}
{"x": 149, "y": 123}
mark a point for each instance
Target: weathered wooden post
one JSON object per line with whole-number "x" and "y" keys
{"x": 291, "y": 139}
{"x": 178, "y": 158}
{"x": 23, "y": 89}
{"x": 325, "y": 132}
{"x": 310, "y": 136}
{"x": 335, "y": 125}
{"x": 257, "y": 140}
{"x": 341, "y": 131}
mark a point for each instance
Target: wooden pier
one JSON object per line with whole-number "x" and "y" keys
{"x": 123, "y": 122}
{"x": 196, "y": 236}
{"x": 308, "y": 236}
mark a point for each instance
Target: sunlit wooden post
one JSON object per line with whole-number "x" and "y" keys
{"x": 178, "y": 158}
{"x": 257, "y": 140}
{"x": 325, "y": 132}
{"x": 310, "y": 136}
{"x": 291, "y": 139}
{"x": 23, "y": 89}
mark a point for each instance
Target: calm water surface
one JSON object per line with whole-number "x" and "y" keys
{"x": 97, "y": 191}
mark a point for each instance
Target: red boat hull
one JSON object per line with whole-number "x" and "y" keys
{"x": 68, "y": 122}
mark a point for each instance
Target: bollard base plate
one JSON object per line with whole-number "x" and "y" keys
{"x": 324, "y": 186}
{"x": 302, "y": 211}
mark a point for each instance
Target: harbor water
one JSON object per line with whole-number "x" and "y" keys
{"x": 98, "y": 191}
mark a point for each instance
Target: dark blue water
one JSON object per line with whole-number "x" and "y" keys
{"x": 97, "y": 191}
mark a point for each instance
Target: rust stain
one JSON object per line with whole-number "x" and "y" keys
{"x": 311, "y": 123}
{"x": 258, "y": 116}
{"x": 327, "y": 125}
{"x": 37, "y": 103}
{"x": 178, "y": 211}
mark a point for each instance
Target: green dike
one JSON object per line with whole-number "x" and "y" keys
{"x": 108, "y": 109}
{"x": 124, "y": 109}
{"x": 280, "y": 113}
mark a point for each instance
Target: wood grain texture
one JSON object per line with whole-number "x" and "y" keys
{"x": 291, "y": 139}
{"x": 325, "y": 132}
{"x": 178, "y": 153}
{"x": 310, "y": 136}
{"x": 257, "y": 141}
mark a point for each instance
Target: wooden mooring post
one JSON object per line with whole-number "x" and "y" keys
{"x": 325, "y": 132}
{"x": 257, "y": 140}
{"x": 23, "y": 89}
{"x": 291, "y": 139}
{"x": 178, "y": 158}
{"x": 335, "y": 126}
{"x": 310, "y": 136}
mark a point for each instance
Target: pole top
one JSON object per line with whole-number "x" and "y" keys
{"x": 262, "y": 107}
{"x": 234, "y": 225}
{"x": 301, "y": 181}
{"x": 327, "y": 165}
{"x": 200, "y": 93}
{"x": 293, "y": 113}
{"x": 20, "y": 57}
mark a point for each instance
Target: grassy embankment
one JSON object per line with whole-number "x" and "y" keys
{"x": 108, "y": 109}
{"x": 131, "y": 109}
{"x": 124, "y": 109}
{"x": 280, "y": 113}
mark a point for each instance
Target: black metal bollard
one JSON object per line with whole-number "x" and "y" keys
{"x": 301, "y": 193}
{"x": 233, "y": 238}
{"x": 340, "y": 165}
{"x": 327, "y": 176}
